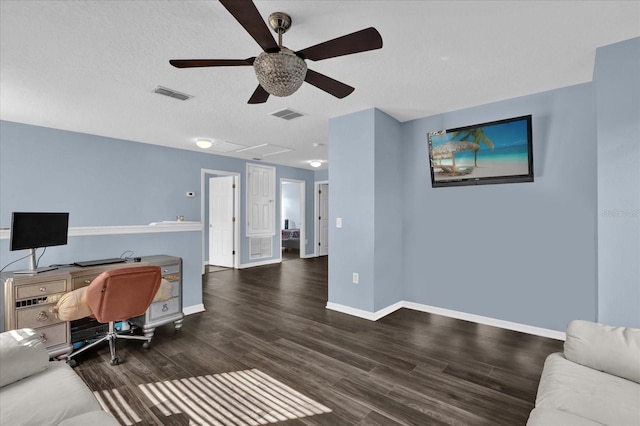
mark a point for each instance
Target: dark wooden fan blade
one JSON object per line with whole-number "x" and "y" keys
{"x": 248, "y": 16}
{"x": 329, "y": 85}
{"x": 360, "y": 41}
{"x": 193, "y": 63}
{"x": 260, "y": 96}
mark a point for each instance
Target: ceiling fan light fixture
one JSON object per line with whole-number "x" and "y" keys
{"x": 204, "y": 143}
{"x": 280, "y": 73}
{"x": 315, "y": 163}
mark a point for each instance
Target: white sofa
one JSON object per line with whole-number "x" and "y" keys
{"x": 36, "y": 391}
{"x": 595, "y": 381}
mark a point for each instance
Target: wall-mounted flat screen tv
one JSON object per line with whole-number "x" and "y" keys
{"x": 489, "y": 153}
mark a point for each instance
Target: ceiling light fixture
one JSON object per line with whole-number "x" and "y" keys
{"x": 204, "y": 143}
{"x": 315, "y": 163}
{"x": 280, "y": 73}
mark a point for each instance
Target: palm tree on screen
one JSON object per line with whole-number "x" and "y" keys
{"x": 475, "y": 135}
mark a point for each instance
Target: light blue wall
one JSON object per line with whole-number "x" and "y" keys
{"x": 365, "y": 159}
{"x": 321, "y": 175}
{"x": 351, "y": 197}
{"x": 389, "y": 197}
{"x": 525, "y": 252}
{"x": 106, "y": 182}
{"x": 617, "y": 79}
{"x": 564, "y": 247}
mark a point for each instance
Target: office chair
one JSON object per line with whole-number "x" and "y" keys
{"x": 117, "y": 295}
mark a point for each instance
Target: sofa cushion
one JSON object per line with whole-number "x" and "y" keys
{"x": 551, "y": 417}
{"x": 46, "y": 398}
{"x": 22, "y": 353}
{"x": 614, "y": 350}
{"x": 585, "y": 392}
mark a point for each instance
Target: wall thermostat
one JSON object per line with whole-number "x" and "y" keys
{"x": 191, "y": 194}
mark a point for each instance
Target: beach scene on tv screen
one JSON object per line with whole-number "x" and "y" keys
{"x": 495, "y": 150}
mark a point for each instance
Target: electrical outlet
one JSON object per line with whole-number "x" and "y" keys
{"x": 356, "y": 278}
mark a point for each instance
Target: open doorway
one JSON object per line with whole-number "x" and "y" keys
{"x": 322, "y": 218}
{"x": 292, "y": 226}
{"x": 220, "y": 207}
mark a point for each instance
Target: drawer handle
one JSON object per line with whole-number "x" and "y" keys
{"x": 42, "y": 316}
{"x": 87, "y": 281}
{"x": 43, "y": 289}
{"x": 43, "y": 337}
{"x": 165, "y": 308}
{"x": 165, "y": 270}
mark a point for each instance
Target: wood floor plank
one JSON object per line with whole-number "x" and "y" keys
{"x": 408, "y": 368}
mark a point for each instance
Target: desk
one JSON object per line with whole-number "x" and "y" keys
{"x": 29, "y": 298}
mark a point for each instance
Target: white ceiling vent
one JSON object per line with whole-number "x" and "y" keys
{"x": 287, "y": 114}
{"x": 171, "y": 93}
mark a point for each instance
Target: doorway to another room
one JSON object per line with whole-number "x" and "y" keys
{"x": 322, "y": 218}
{"x": 292, "y": 226}
{"x": 220, "y": 207}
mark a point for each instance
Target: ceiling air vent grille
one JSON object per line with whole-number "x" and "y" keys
{"x": 171, "y": 93}
{"x": 287, "y": 114}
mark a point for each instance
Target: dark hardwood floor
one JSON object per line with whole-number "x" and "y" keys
{"x": 409, "y": 368}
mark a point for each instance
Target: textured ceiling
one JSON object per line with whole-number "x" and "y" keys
{"x": 92, "y": 66}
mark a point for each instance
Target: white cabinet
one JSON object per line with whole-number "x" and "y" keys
{"x": 261, "y": 200}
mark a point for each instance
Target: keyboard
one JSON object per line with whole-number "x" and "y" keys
{"x": 100, "y": 262}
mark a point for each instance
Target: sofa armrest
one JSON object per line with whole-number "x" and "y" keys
{"x": 614, "y": 350}
{"x": 22, "y": 354}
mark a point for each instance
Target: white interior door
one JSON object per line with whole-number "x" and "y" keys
{"x": 323, "y": 209}
{"x": 221, "y": 221}
{"x": 261, "y": 193}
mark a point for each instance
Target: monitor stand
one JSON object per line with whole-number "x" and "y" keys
{"x": 32, "y": 265}
{"x": 35, "y": 271}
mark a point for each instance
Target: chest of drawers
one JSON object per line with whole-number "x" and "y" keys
{"x": 167, "y": 311}
{"x": 28, "y": 300}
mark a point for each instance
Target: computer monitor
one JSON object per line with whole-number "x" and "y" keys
{"x": 32, "y": 230}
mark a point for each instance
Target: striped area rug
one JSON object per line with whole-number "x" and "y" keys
{"x": 248, "y": 397}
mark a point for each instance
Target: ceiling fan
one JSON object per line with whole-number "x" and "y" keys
{"x": 281, "y": 71}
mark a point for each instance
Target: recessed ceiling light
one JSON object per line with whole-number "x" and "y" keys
{"x": 204, "y": 143}
{"x": 315, "y": 163}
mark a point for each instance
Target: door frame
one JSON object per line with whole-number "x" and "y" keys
{"x": 228, "y": 187}
{"x": 316, "y": 213}
{"x": 303, "y": 224}
{"x": 205, "y": 174}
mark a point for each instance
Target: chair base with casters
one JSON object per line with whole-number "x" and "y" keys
{"x": 111, "y": 336}
{"x": 120, "y": 294}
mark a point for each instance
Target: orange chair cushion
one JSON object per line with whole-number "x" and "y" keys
{"x": 123, "y": 293}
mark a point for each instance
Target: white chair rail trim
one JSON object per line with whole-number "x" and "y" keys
{"x": 81, "y": 231}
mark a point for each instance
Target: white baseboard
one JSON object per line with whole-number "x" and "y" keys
{"x": 371, "y": 316}
{"x": 193, "y": 309}
{"x": 264, "y": 262}
{"x": 508, "y": 325}
{"x": 514, "y": 326}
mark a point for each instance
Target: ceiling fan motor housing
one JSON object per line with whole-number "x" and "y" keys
{"x": 280, "y": 73}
